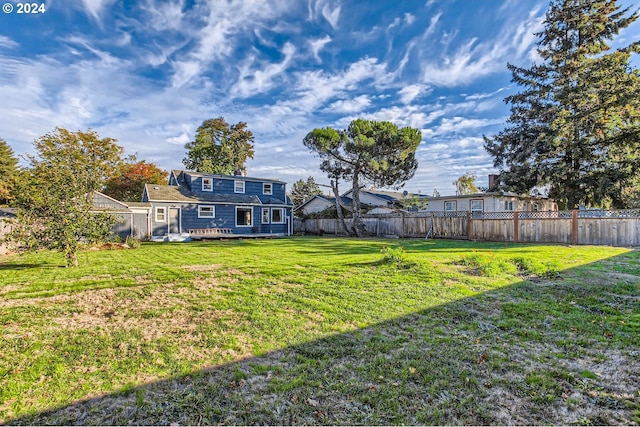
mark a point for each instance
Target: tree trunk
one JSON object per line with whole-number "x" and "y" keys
{"x": 72, "y": 259}
{"x": 358, "y": 225}
{"x": 336, "y": 193}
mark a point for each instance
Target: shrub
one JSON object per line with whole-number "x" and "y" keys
{"x": 488, "y": 264}
{"x": 133, "y": 242}
{"x": 393, "y": 255}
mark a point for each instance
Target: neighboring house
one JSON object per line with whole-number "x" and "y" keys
{"x": 489, "y": 202}
{"x": 375, "y": 198}
{"x": 388, "y": 199}
{"x": 319, "y": 203}
{"x": 133, "y": 218}
{"x": 237, "y": 204}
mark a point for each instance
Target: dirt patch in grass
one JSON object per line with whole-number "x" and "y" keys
{"x": 206, "y": 268}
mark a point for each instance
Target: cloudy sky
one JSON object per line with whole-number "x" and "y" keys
{"x": 149, "y": 72}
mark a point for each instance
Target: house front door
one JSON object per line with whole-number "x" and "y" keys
{"x": 174, "y": 220}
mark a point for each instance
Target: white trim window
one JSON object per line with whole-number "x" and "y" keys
{"x": 206, "y": 211}
{"x": 265, "y": 215}
{"x": 508, "y": 205}
{"x": 207, "y": 184}
{"x": 477, "y": 207}
{"x": 238, "y": 187}
{"x": 450, "y": 206}
{"x": 267, "y": 188}
{"x": 244, "y": 216}
{"x": 277, "y": 216}
{"x": 161, "y": 214}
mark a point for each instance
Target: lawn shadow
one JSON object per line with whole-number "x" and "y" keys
{"x": 537, "y": 352}
{"x": 23, "y": 266}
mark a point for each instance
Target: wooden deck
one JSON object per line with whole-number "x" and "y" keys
{"x": 226, "y": 233}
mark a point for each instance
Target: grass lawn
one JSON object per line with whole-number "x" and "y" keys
{"x": 322, "y": 331}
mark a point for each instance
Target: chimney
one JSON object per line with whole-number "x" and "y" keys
{"x": 493, "y": 182}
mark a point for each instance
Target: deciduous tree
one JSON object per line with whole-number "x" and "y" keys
{"x": 466, "y": 184}
{"x": 128, "y": 183}
{"x": 367, "y": 151}
{"x": 219, "y": 147}
{"x": 575, "y": 124}
{"x": 55, "y": 198}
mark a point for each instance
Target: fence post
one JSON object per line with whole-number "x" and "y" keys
{"x": 515, "y": 226}
{"x": 574, "y": 227}
{"x": 469, "y": 225}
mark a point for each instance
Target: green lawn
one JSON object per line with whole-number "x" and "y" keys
{"x": 322, "y": 331}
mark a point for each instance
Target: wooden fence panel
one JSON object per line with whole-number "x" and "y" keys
{"x": 494, "y": 230}
{"x": 609, "y": 231}
{"x": 450, "y": 227}
{"x": 544, "y": 230}
{"x": 614, "y": 228}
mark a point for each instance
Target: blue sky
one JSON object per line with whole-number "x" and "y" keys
{"x": 149, "y": 72}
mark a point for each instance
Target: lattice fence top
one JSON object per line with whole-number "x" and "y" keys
{"x": 603, "y": 213}
{"x": 622, "y": 213}
{"x": 545, "y": 215}
{"x": 494, "y": 215}
{"x": 600, "y": 213}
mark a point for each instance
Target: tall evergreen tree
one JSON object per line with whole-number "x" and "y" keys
{"x": 378, "y": 152}
{"x": 575, "y": 125}
{"x": 219, "y": 147}
{"x": 8, "y": 172}
{"x": 301, "y": 191}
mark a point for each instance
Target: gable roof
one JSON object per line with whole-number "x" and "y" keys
{"x": 171, "y": 193}
{"x": 345, "y": 201}
{"x": 388, "y": 196}
{"x": 176, "y": 173}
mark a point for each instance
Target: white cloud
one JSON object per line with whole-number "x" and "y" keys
{"x": 329, "y": 10}
{"x": 409, "y": 93}
{"x": 457, "y": 125}
{"x": 317, "y": 45}
{"x": 409, "y": 18}
{"x": 354, "y": 105}
{"x": 94, "y": 8}
{"x": 261, "y": 79}
{"x": 475, "y": 59}
{"x": 7, "y": 42}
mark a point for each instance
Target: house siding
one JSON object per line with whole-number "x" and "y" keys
{"x": 225, "y": 217}
{"x": 224, "y": 200}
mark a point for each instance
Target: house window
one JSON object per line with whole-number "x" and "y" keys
{"x": 238, "y": 186}
{"x": 267, "y": 188}
{"x": 207, "y": 184}
{"x": 450, "y": 207}
{"x": 265, "y": 215}
{"x": 277, "y": 215}
{"x": 508, "y": 205}
{"x": 161, "y": 214}
{"x": 244, "y": 217}
{"x": 206, "y": 211}
{"x": 477, "y": 206}
{"x": 536, "y": 207}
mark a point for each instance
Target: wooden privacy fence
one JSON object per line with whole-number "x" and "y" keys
{"x": 577, "y": 227}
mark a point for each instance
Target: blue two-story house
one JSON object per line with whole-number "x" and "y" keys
{"x": 210, "y": 205}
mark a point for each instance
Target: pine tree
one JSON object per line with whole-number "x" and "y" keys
{"x": 301, "y": 191}
{"x": 8, "y": 172}
{"x": 575, "y": 125}
{"x": 377, "y": 152}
